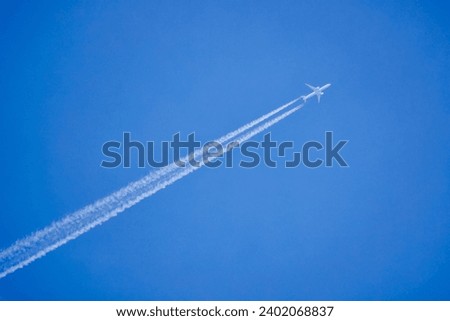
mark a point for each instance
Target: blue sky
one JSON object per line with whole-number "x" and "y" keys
{"x": 77, "y": 74}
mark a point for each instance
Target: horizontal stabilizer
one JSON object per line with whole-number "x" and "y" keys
{"x": 311, "y": 87}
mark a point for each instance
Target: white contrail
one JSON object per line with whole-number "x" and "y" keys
{"x": 106, "y": 202}
{"x": 38, "y": 244}
{"x": 222, "y": 140}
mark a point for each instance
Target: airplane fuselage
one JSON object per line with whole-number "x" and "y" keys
{"x": 317, "y": 91}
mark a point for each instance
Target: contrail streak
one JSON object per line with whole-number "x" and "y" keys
{"x": 41, "y": 242}
{"x": 107, "y": 201}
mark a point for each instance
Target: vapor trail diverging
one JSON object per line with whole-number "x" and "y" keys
{"x": 41, "y": 242}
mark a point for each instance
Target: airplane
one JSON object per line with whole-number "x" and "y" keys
{"x": 317, "y": 91}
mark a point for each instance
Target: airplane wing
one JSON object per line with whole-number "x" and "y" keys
{"x": 311, "y": 87}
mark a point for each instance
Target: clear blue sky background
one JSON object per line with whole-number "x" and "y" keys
{"x": 76, "y": 74}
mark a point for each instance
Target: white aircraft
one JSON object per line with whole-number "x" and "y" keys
{"x": 317, "y": 91}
